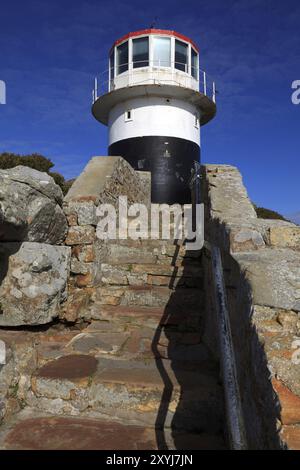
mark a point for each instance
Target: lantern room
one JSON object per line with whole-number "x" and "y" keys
{"x": 143, "y": 55}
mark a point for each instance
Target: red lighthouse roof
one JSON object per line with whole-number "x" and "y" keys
{"x": 166, "y": 32}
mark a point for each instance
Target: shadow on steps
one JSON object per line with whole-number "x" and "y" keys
{"x": 197, "y": 421}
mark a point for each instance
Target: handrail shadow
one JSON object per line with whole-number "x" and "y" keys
{"x": 188, "y": 427}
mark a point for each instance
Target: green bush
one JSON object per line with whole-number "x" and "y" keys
{"x": 263, "y": 213}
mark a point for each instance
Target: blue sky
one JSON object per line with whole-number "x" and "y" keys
{"x": 50, "y": 52}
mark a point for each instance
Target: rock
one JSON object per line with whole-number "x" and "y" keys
{"x": 77, "y": 302}
{"x": 84, "y": 253}
{"x": 72, "y": 219}
{"x": 285, "y": 236}
{"x": 290, "y": 321}
{"x": 245, "y": 239}
{"x": 84, "y": 280}
{"x": 291, "y": 436}
{"x": 284, "y": 364}
{"x": 77, "y": 267}
{"x": 274, "y": 276}
{"x": 38, "y": 180}
{"x": 34, "y": 279}
{"x": 30, "y": 207}
{"x": 227, "y": 194}
{"x": 83, "y": 211}
{"x": 6, "y": 379}
{"x": 289, "y": 403}
{"x": 48, "y": 224}
{"x": 80, "y": 235}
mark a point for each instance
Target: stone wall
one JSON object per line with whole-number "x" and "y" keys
{"x": 34, "y": 270}
{"x": 41, "y": 279}
{"x": 262, "y": 272}
{"x": 103, "y": 180}
{"x": 34, "y": 266}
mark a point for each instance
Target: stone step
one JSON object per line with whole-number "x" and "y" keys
{"x": 146, "y": 252}
{"x": 33, "y": 431}
{"x": 129, "y": 340}
{"x": 150, "y": 296}
{"x": 152, "y": 274}
{"x": 138, "y": 343}
{"x": 163, "y": 393}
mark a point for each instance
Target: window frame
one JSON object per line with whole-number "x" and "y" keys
{"x": 187, "y": 64}
{"x": 161, "y": 36}
{"x": 131, "y": 62}
{"x": 112, "y": 68}
{"x": 126, "y": 118}
{"x": 196, "y": 77}
{"x": 117, "y": 65}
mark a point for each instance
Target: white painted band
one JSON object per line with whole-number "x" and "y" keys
{"x": 154, "y": 116}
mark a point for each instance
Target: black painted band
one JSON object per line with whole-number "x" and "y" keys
{"x": 169, "y": 159}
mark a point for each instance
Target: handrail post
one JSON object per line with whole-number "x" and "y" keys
{"x": 96, "y": 88}
{"x": 204, "y": 82}
{"x": 214, "y": 92}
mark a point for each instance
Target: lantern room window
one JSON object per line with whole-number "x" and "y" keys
{"x": 122, "y": 58}
{"x": 112, "y": 64}
{"x": 181, "y": 56}
{"x": 194, "y": 64}
{"x": 161, "y": 52}
{"x": 140, "y": 52}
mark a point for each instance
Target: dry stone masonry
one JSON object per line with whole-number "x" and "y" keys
{"x": 34, "y": 265}
{"x": 262, "y": 267}
{"x": 116, "y": 341}
{"x": 102, "y": 182}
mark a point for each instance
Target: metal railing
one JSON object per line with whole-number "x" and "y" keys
{"x": 154, "y": 72}
{"x": 233, "y": 406}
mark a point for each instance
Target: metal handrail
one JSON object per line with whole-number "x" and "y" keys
{"x": 234, "y": 412}
{"x": 154, "y": 64}
{"x": 157, "y": 71}
{"x": 233, "y": 405}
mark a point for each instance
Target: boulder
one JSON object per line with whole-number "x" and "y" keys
{"x": 273, "y": 275}
{"x": 33, "y": 281}
{"x": 30, "y": 207}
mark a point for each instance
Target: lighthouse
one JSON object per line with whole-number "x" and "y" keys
{"x": 154, "y": 99}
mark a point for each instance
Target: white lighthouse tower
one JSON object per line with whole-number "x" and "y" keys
{"x": 155, "y": 101}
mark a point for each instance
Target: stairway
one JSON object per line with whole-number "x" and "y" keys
{"x": 138, "y": 376}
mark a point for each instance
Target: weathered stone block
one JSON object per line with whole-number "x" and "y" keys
{"x": 30, "y": 207}
{"x": 106, "y": 178}
{"x": 72, "y": 219}
{"x": 227, "y": 194}
{"x": 83, "y": 211}
{"x": 84, "y": 253}
{"x": 289, "y": 403}
{"x": 84, "y": 280}
{"x": 291, "y": 436}
{"x": 274, "y": 276}
{"x": 77, "y": 267}
{"x": 245, "y": 239}
{"x": 33, "y": 281}
{"x": 77, "y": 303}
{"x": 80, "y": 235}
{"x": 285, "y": 236}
